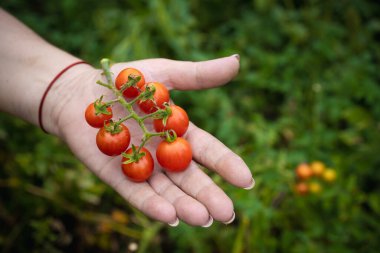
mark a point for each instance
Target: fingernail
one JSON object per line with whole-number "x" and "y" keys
{"x": 237, "y": 56}
{"x": 209, "y": 223}
{"x": 251, "y": 185}
{"x": 175, "y": 223}
{"x": 230, "y": 220}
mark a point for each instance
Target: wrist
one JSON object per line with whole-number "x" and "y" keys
{"x": 58, "y": 103}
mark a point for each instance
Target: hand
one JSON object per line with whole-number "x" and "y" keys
{"x": 190, "y": 196}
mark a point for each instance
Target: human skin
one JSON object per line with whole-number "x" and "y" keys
{"x": 28, "y": 64}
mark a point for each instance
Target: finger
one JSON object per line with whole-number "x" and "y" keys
{"x": 140, "y": 195}
{"x": 213, "y": 154}
{"x": 186, "y": 75}
{"x": 187, "y": 208}
{"x": 197, "y": 184}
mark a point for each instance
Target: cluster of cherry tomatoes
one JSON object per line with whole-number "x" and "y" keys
{"x": 170, "y": 122}
{"x": 309, "y": 175}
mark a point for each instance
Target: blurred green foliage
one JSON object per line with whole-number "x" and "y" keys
{"x": 308, "y": 90}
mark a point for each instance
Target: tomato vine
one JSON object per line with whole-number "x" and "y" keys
{"x": 153, "y": 98}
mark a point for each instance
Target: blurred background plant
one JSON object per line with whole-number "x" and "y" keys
{"x": 308, "y": 90}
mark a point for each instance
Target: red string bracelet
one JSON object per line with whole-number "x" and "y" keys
{"x": 49, "y": 87}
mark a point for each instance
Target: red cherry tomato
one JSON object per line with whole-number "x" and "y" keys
{"x": 174, "y": 156}
{"x": 303, "y": 171}
{"x": 113, "y": 144}
{"x": 94, "y": 120}
{"x": 302, "y": 188}
{"x": 142, "y": 169}
{"x": 178, "y": 121}
{"x": 122, "y": 78}
{"x": 161, "y": 95}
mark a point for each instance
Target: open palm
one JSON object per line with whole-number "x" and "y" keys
{"x": 191, "y": 195}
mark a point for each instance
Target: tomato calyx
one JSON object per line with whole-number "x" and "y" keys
{"x": 148, "y": 93}
{"x": 135, "y": 156}
{"x": 170, "y": 136}
{"x": 164, "y": 114}
{"x": 101, "y": 107}
{"x": 132, "y": 81}
{"x": 113, "y": 127}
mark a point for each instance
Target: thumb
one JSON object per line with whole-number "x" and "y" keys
{"x": 186, "y": 75}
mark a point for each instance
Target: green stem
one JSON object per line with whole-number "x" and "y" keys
{"x": 106, "y": 68}
{"x": 111, "y": 102}
{"x": 170, "y": 135}
{"x": 146, "y": 138}
{"x": 105, "y": 63}
{"x": 124, "y": 119}
{"x": 132, "y": 82}
{"x": 151, "y": 115}
{"x": 136, "y": 98}
{"x": 103, "y": 84}
{"x": 142, "y": 125}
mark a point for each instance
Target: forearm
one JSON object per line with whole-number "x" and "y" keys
{"x": 27, "y": 65}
